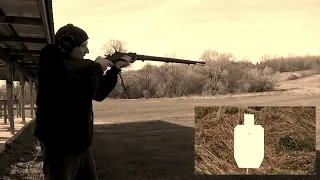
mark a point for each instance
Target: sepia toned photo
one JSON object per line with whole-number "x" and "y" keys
{"x": 106, "y": 89}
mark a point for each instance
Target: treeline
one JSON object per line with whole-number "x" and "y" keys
{"x": 289, "y": 64}
{"x": 221, "y": 75}
{"x": 17, "y": 92}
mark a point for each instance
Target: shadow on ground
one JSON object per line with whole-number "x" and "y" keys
{"x": 146, "y": 150}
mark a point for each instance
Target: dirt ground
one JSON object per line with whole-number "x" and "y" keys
{"x": 146, "y": 139}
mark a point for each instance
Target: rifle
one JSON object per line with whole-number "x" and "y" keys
{"x": 117, "y": 55}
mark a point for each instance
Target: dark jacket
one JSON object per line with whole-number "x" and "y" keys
{"x": 64, "y": 117}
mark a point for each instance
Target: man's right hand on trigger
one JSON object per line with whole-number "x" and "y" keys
{"x": 103, "y": 62}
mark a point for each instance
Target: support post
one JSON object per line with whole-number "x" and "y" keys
{"x": 16, "y": 102}
{"x": 22, "y": 91}
{"x": 31, "y": 98}
{"x": 5, "y": 112}
{"x": 1, "y": 110}
{"x": 36, "y": 85}
{"x": 9, "y": 83}
{"x": 36, "y": 92}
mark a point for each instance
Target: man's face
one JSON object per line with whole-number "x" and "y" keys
{"x": 80, "y": 51}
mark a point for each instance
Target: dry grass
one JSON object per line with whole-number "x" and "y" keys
{"x": 289, "y": 75}
{"x": 290, "y": 139}
{"x": 305, "y": 85}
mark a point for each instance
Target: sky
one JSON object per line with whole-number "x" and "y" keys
{"x": 246, "y": 28}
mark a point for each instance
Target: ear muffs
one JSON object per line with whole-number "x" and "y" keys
{"x": 66, "y": 42}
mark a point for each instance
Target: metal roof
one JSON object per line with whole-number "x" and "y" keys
{"x": 26, "y": 26}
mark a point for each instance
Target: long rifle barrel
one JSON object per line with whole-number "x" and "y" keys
{"x": 165, "y": 59}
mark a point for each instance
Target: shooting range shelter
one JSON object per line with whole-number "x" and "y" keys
{"x": 26, "y": 26}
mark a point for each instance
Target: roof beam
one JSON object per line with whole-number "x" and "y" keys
{"x": 23, "y": 39}
{"x": 28, "y": 63}
{"x": 30, "y": 66}
{"x": 44, "y": 15}
{"x": 20, "y": 20}
{"x": 26, "y": 66}
{"x": 5, "y": 58}
{"x": 22, "y": 51}
{"x": 50, "y": 18}
{"x": 26, "y": 58}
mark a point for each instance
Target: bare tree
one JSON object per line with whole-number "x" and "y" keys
{"x": 245, "y": 63}
{"x": 216, "y": 64}
{"x": 110, "y": 48}
{"x": 112, "y": 45}
{"x": 170, "y": 75}
{"x": 265, "y": 58}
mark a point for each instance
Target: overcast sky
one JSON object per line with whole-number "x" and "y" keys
{"x": 245, "y": 28}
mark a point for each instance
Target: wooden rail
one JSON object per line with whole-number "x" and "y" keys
{"x": 11, "y": 107}
{"x": 17, "y": 109}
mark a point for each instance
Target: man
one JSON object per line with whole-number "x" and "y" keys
{"x": 67, "y": 84}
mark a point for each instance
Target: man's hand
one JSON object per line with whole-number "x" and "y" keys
{"x": 123, "y": 62}
{"x": 103, "y": 62}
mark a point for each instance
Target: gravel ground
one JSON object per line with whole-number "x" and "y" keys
{"x": 18, "y": 162}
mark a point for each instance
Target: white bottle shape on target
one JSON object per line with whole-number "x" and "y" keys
{"x": 249, "y": 143}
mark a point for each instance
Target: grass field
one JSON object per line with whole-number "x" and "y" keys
{"x": 154, "y": 138}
